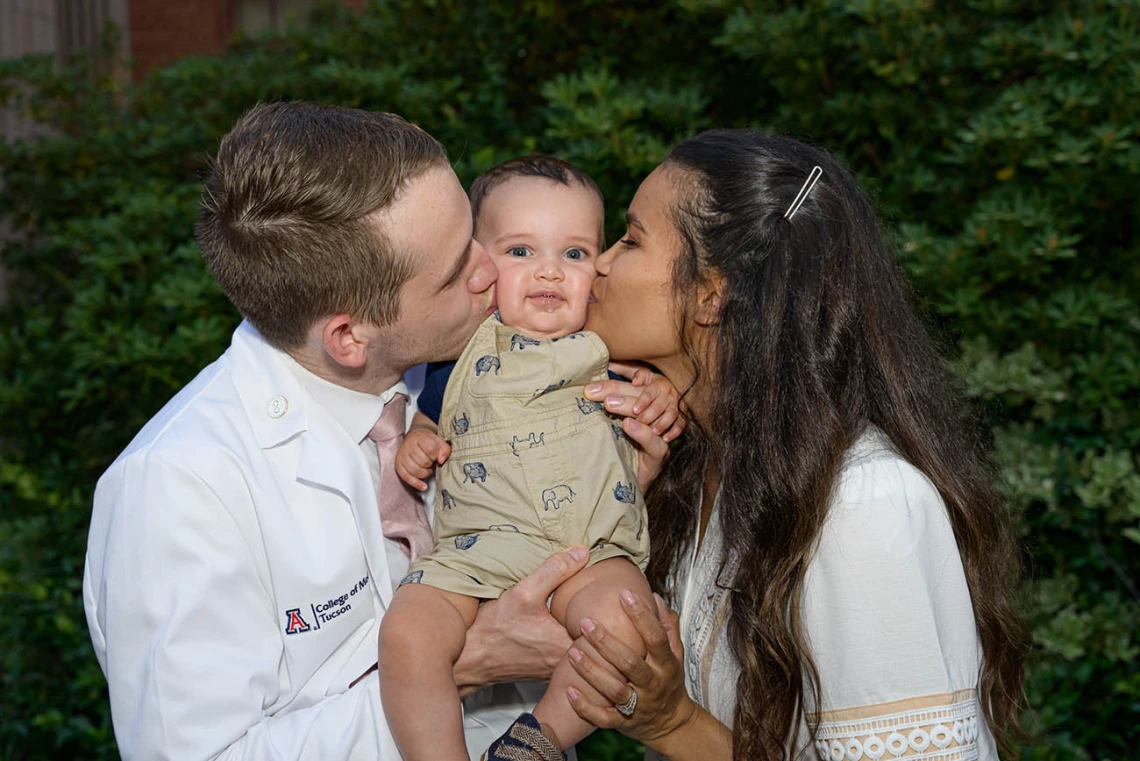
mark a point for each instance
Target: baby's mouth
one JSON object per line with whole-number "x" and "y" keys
{"x": 546, "y": 298}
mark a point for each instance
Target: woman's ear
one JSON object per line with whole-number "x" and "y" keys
{"x": 707, "y": 302}
{"x": 345, "y": 339}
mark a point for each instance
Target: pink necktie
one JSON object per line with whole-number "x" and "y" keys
{"x": 402, "y": 513}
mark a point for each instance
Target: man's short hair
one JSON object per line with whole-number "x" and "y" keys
{"x": 287, "y": 226}
{"x": 549, "y": 167}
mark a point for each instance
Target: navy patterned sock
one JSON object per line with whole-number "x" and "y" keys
{"x": 524, "y": 741}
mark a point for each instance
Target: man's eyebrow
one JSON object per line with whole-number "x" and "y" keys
{"x": 460, "y": 265}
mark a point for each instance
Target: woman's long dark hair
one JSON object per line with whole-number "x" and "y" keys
{"x": 817, "y": 338}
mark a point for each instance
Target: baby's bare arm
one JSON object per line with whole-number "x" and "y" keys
{"x": 421, "y": 422}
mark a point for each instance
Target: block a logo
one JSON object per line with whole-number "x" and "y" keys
{"x": 294, "y": 623}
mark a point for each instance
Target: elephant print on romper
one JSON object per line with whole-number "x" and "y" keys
{"x": 556, "y": 496}
{"x": 473, "y": 471}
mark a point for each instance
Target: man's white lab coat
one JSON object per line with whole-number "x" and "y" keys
{"x": 236, "y": 577}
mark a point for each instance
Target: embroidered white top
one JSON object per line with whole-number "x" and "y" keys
{"x": 887, "y": 614}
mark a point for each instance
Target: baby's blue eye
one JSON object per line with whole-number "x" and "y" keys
{"x": 519, "y": 251}
{"x": 576, "y": 254}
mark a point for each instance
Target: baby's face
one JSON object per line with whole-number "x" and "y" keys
{"x": 544, "y": 238}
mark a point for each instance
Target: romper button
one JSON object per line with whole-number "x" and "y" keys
{"x": 277, "y": 407}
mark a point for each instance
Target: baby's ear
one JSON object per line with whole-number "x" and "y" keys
{"x": 706, "y": 301}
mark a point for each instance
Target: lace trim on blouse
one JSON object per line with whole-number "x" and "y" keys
{"x": 942, "y": 727}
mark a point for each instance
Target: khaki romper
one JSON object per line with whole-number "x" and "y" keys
{"x": 534, "y": 466}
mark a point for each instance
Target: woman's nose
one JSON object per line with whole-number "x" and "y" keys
{"x": 605, "y": 260}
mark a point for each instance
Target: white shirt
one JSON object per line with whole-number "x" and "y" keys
{"x": 887, "y": 614}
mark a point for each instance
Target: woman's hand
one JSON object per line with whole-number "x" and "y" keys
{"x": 651, "y": 408}
{"x": 647, "y": 397}
{"x": 663, "y": 704}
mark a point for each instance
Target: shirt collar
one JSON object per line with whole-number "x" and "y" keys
{"x": 355, "y": 411}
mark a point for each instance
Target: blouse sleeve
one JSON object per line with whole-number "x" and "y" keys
{"x": 888, "y": 617}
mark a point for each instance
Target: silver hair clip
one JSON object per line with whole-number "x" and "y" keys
{"x": 809, "y": 183}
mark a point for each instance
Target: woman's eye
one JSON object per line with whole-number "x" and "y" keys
{"x": 576, "y": 254}
{"x": 520, "y": 251}
{"x": 628, "y": 242}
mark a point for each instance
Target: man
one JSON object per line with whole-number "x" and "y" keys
{"x": 238, "y": 565}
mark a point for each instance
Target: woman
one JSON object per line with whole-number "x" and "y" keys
{"x": 839, "y": 555}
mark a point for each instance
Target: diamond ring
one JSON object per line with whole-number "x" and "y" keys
{"x": 626, "y": 709}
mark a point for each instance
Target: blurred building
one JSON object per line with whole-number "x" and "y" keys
{"x": 153, "y": 32}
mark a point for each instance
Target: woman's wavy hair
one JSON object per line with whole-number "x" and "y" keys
{"x": 817, "y": 338}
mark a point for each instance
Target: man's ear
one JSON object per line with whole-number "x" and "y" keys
{"x": 346, "y": 339}
{"x": 707, "y": 301}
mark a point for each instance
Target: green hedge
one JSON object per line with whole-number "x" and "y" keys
{"x": 999, "y": 138}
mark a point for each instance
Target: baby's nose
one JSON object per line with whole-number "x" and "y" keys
{"x": 551, "y": 269}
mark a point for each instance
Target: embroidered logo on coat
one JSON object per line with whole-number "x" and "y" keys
{"x": 294, "y": 623}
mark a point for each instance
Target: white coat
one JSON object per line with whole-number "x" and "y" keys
{"x": 236, "y": 578}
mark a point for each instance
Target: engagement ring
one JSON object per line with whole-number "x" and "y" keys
{"x": 626, "y": 708}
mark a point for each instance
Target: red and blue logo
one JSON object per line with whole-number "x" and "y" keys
{"x": 294, "y": 623}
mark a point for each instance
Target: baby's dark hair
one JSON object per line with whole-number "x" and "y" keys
{"x": 537, "y": 165}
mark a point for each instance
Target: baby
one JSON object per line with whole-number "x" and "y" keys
{"x": 528, "y": 466}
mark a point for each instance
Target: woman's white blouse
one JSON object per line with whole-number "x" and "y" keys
{"x": 887, "y": 615}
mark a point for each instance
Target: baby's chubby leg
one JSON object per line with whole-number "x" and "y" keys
{"x": 421, "y": 637}
{"x": 593, "y": 593}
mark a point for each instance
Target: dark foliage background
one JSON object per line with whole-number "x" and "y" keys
{"x": 998, "y": 136}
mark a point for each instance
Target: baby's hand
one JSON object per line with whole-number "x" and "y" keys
{"x": 421, "y": 451}
{"x": 657, "y": 405}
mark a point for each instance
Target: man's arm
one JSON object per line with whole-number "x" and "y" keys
{"x": 187, "y": 633}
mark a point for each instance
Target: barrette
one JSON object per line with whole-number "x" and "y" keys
{"x": 809, "y": 183}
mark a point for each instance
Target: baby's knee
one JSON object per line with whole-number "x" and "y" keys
{"x": 609, "y": 614}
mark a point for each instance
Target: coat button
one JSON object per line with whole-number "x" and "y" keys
{"x": 277, "y": 407}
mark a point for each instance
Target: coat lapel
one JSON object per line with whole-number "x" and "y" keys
{"x": 330, "y": 461}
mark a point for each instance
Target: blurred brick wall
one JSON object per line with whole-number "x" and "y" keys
{"x": 162, "y": 31}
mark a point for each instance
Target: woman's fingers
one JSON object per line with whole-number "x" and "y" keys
{"x": 601, "y": 679}
{"x": 672, "y": 623}
{"x": 600, "y": 716}
{"x": 600, "y": 390}
{"x": 629, "y": 663}
{"x": 629, "y": 370}
{"x": 645, "y": 621}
